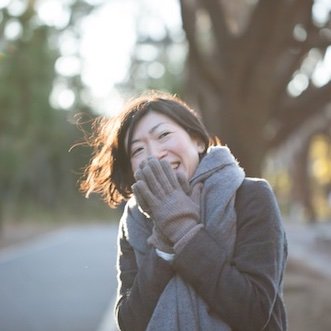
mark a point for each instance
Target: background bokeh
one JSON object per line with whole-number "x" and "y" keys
{"x": 258, "y": 72}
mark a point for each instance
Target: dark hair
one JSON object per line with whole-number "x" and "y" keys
{"x": 109, "y": 171}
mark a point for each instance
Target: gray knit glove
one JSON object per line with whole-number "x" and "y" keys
{"x": 160, "y": 194}
{"x": 159, "y": 241}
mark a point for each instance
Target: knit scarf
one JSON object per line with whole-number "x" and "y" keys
{"x": 179, "y": 307}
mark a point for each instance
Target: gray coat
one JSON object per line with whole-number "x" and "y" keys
{"x": 245, "y": 291}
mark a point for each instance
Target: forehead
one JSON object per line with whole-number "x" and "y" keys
{"x": 147, "y": 124}
{"x": 151, "y": 121}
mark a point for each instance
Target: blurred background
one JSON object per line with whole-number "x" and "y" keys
{"x": 258, "y": 71}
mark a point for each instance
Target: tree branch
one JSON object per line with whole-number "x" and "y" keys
{"x": 280, "y": 33}
{"x": 298, "y": 110}
{"x": 210, "y": 72}
{"x": 291, "y": 61}
{"x": 255, "y": 42}
{"x": 217, "y": 17}
{"x": 260, "y": 27}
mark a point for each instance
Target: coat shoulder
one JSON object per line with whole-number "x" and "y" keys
{"x": 254, "y": 189}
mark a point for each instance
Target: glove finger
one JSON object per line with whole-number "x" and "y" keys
{"x": 143, "y": 163}
{"x": 159, "y": 176}
{"x": 170, "y": 174}
{"x": 183, "y": 182}
{"x": 152, "y": 181}
{"x": 139, "y": 195}
{"x": 143, "y": 195}
{"x": 138, "y": 175}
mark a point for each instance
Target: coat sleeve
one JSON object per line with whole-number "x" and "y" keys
{"x": 138, "y": 289}
{"x": 245, "y": 290}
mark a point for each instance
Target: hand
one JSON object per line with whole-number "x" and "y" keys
{"x": 182, "y": 180}
{"x": 159, "y": 241}
{"x": 160, "y": 194}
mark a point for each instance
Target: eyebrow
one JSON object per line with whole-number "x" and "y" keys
{"x": 150, "y": 132}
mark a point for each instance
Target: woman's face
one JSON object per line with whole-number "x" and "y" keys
{"x": 159, "y": 136}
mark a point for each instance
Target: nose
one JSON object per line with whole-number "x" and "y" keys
{"x": 156, "y": 150}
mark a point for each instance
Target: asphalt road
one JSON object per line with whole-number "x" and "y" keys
{"x": 65, "y": 281}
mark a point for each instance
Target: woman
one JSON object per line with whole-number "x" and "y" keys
{"x": 200, "y": 246}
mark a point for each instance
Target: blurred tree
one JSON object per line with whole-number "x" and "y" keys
{"x": 154, "y": 66}
{"x": 310, "y": 168}
{"x": 35, "y": 133}
{"x": 251, "y": 67}
{"x": 300, "y": 171}
{"x": 256, "y": 71}
{"x": 158, "y": 58}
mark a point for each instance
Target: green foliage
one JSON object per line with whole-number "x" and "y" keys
{"x": 37, "y": 172}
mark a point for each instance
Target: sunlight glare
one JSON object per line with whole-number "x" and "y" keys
{"x": 17, "y": 7}
{"x": 68, "y": 44}
{"x": 147, "y": 53}
{"x": 298, "y": 84}
{"x": 13, "y": 29}
{"x": 68, "y": 66}
{"x": 156, "y": 70}
{"x": 4, "y": 3}
{"x": 109, "y": 105}
{"x": 108, "y": 39}
{"x": 321, "y": 11}
{"x": 322, "y": 73}
{"x": 53, "y": 13}
{"x": 62, "y": 97}
{"x": 167, "y": 10}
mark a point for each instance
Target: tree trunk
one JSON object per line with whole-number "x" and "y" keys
{"x": 239, "y": 77}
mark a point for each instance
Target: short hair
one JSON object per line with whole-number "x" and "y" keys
{"x": 109, "y": 172}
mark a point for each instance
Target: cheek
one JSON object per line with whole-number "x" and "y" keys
{"x": 192, "y": 157}
{"x": 134, "y": 166}
{"x": 190, "y": 149}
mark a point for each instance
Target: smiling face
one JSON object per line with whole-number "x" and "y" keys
{"x": 159, "y": 136}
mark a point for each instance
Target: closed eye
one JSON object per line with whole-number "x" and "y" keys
{"x": 136, "y": 151}
{"x": 164, "y": 134}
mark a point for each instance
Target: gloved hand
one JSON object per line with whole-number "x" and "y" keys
{"x": 159, "y": 241}
{"x": 160, "y": 194}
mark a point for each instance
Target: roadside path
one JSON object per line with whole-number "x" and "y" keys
{"x": 311, "y": 245}
{"x": 307, "y": 285}
{"x": 64, "y": 281}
